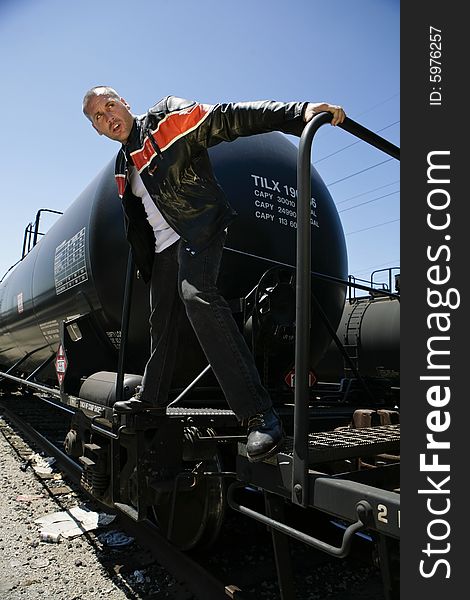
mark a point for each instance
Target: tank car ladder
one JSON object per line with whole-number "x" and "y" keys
{"x": 351, "y": 336}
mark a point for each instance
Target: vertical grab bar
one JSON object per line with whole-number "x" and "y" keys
{"x": 126, "y": 313}
{"x": 303, "y": 289}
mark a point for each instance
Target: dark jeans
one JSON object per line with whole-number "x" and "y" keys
{"x": 184, "y": 281}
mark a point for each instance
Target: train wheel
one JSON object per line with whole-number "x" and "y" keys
{"x": 193, "y": 517}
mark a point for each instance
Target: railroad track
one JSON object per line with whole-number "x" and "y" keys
{"x": 39, "y": 421}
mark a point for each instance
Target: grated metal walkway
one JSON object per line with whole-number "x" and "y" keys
{"x": 349, "y": 443}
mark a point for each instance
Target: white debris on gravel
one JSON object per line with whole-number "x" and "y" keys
{"x": 41, "y": 464}
{"x": 72, "y": 522}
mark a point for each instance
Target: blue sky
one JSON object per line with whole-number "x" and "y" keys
{"x": 52, "y": 51}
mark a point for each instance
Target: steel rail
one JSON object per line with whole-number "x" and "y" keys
{"x": 67, "y": 464}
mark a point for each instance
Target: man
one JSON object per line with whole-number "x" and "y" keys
{"x": 176, "y": 218}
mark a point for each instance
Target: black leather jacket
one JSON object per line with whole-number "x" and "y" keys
{"x": 168, "y": 145}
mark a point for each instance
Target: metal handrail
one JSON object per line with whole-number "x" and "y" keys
{"x": 37, "y": 220}
{"x": 303, "y": 289}
{"x": 363, "y": 513}
{"x": 387, "y": 270}
{"x": 36, "y": 386}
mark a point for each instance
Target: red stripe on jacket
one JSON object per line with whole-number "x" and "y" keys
{"x": 121, "y": 184}
{"x": 168, "y": 131}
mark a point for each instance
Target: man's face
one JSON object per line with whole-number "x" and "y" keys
{"x": 110, "y": 117}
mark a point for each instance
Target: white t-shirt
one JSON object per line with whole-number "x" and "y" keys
{"x": 164, "y": 234}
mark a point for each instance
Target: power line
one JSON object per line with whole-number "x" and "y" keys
{"x": 388, "y": 126}
{"x": 359, "y": 172}
{"x": 369, "y": 192}
{"x": 368, "y": 201}
{"x": 372, "y": 227}
{"x": 378, "y": 104}
{"x": 371, "y": 268}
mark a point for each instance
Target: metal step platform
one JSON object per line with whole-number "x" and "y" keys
{"x": 340, "y": 444}
{"x": 111, "y": 424}
{"x": 349, "y": 443}
{"x": 173, "y": 411}
{"x": 326, "y": 450}
{"x": 193, "y": 416}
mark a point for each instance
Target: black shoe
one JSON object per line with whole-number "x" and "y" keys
{"x": 265, "y": 435}
{"x": 133, "y": 405}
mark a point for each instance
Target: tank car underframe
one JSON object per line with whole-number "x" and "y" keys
{"x": 159, "y": 464}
